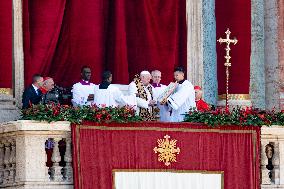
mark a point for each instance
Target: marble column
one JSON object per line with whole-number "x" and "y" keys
{"x": 10, "y": 101}
{"x": 257, "y": 69}
{"x": 272, "y": 72}
{"x": 194, "y": 42}
{"x": 18, "y": 52}
{"x": 201, "y": 47}
{"x": 281, "y": 50}
{"x": 210, "y": 84}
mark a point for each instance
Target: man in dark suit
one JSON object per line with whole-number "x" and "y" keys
{"x": 32, "y": 94}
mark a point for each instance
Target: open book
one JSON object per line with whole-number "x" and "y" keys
{"x": 167, "y": 92}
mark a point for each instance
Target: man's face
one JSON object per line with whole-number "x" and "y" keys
{"x": 156, "y": 77}
{"x": 198, "y": 94}
{"x": 39, "y": 82}
{"x": 179, "y": 76}
{"x": 145, "y": 79}
{"x": 86, "y": 74}
{"x": 49, "y": 84}
{"x": 110, "y": 79}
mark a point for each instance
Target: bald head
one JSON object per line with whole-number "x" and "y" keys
{"x": 48, "y": 84}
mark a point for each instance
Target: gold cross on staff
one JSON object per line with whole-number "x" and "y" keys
{"x": 227, "y": 64}
{"x": 228, "y": 41}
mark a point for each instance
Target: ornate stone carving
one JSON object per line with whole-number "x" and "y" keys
{"x": 68, "y": 170}
{"x": 56, "y": 169}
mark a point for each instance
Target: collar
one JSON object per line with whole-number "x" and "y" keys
{"x": 180, "y": 82}
{"x": 104, "y": 85}
{"x": 43, "y": 90}
{"x": 83, "y": 82}
{"x": 156, "y": 85}
{"x": 35, "y": 87}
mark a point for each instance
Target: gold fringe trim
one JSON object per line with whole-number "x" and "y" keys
{"x": 234, "y": 97}
{"x": 7, "y": 91}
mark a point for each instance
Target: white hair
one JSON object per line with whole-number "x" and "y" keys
{"x": 156, "y": 71}
{"x": 145, "y": 73}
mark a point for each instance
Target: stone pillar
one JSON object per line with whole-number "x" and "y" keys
{"x": 194, "y": 42}
{"x": 281, "y": 50}
{"x": 8, "y": 110}
{"x": 272, "y": 72}
{"x": 201, "y": 47}
{"x": 18, "y": 52}
{"x": 274, "y": 136}
{"x": 210, "y": 84}
{"x": 31, "y": 149}
{"x": 257, "y": 70}
{"x": 10, "y": 100}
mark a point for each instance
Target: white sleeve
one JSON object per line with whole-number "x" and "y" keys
{"x": 118, "y": 96}
{"x": 177, "y": 99}
{"x": 76, "y": 95}
{"x": 142, "y": 103}
{"x": 132, "y": 89}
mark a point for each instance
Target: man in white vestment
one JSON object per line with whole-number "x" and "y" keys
{"x": 107, "y": 94}
{"x": 142, "y": 89}
{"x": 183, "y": 97}
{"x": 83, "y": 91}
{"x": 158, "y": 89}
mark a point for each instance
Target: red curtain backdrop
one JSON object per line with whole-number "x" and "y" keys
{"x": 235, "y": 15}
{"x": 97, "y": 150}
{"x": 6, "y": 44}
{"x": 124, "y": 36}
{"x": 42, "y": 22}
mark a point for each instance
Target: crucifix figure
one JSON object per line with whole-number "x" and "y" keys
{"x": 227, "y": 64}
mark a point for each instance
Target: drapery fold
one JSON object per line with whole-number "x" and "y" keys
{"x": 99, "y": 149}
{"x": 235, "y": 15}
{"x": 123, "y": 36}
{"x": 42, "y": 22}
{"x": 6, "y": 44}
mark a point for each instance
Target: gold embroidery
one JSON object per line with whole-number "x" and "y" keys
{"x": 234, "y": 97}
{"x": 167, "y": 150}
{"x": 148, "y": 114}
{"x": 7, "y": 91}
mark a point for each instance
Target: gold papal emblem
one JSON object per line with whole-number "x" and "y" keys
{"x": 167, "y": 150}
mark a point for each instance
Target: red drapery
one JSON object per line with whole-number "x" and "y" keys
{"x": 97, "y": 150}
{"x": 235, "y": 15}
{"x": 124, "y": 36}
{"x": 6, "y": 44}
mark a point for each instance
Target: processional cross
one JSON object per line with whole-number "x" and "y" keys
{"x": 227, "y": 64}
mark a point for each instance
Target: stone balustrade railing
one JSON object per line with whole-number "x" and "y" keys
{"x": 272, "y": 157}
{"x": 38, "y": 155}
{"x": 35, "y": 155}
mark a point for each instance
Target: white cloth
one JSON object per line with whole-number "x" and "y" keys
{"x": 181, "y": 101}
{"x": 112, "y": 96}
{"x": 141, "y": 103}
{"x": 164, "y": 110}
{"x": 80, "y": 94}
{"x": 167, "y": 180}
